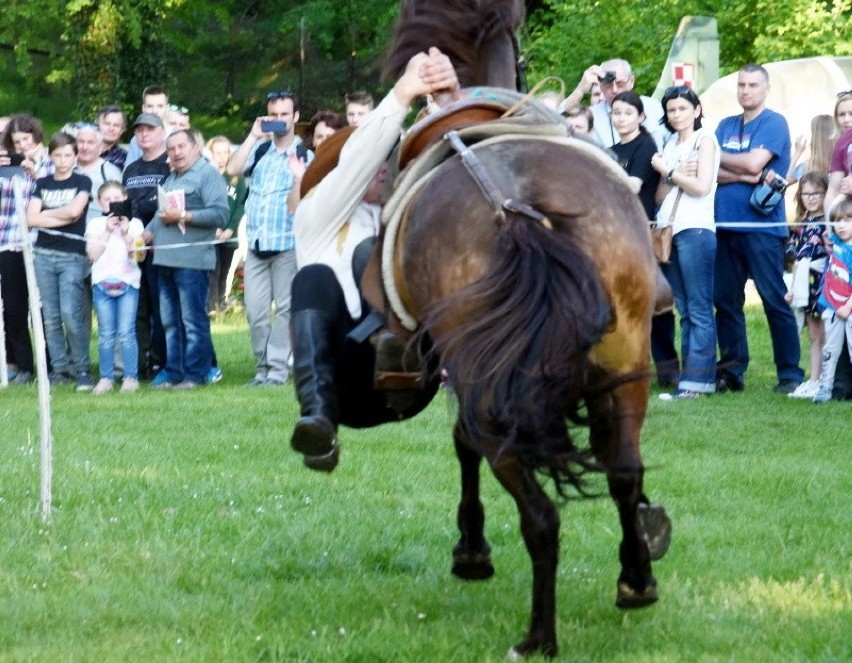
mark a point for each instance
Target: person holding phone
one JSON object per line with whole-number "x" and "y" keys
{"x": 112, "y": 244}
{"x": 264, "y": 156}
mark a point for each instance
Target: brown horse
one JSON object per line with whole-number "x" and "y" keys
{"x": 526, "y": 261}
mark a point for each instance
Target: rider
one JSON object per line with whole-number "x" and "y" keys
{"x": 335, "y": 227}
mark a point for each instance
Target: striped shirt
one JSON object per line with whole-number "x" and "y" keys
{"x": 9, "y": 222}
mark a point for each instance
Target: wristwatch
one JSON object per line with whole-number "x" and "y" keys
{"x": 669, "y": 176}
{"x": 183, "y": 216}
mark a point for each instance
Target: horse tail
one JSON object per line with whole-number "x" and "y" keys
{"x": 519, "y": 354}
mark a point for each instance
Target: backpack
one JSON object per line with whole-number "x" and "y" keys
{"x": 301, "y": 152}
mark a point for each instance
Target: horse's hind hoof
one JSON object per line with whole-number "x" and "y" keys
{"x": 656, "y": 528}
{"x": 325, "y": 463}
{"x": 628, "y": 598}
{"x": 472, "y": 566}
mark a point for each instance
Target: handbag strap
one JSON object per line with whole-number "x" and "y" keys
{"x": 674, "y": 207}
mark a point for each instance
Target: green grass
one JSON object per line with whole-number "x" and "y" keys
{"x": 185, "y": 529}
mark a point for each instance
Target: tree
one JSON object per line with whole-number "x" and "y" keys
{"x": 564, "y": 38}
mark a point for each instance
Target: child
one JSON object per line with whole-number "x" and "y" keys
{"x": 58, "y": 209}
{"x": 836, "y": 295}
{"x": 808, "y": 249}
{"x": 110, "y": 244}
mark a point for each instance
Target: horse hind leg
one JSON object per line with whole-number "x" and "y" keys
{"x": 540, "y": 530}
{"x": 615, "y": 422}
{"x": 472, "y": 554}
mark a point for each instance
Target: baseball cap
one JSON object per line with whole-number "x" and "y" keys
{"x": 148, "y": 119}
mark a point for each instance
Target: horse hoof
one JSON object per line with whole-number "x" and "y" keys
{"x": 525, "y": 649}
{"x": 325, "y": 463}
{"x": 472, "y": 566}
{"x": 656, "y": 528}
{"x": 628, "y": 598}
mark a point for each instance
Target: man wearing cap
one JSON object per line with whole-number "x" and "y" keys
{"x": 197, "y": 204}
{"x": 336, "y": 224}
{"x": 155, "y": 101}
{"x": 271, "y": 259}
{"x": 141, "y": 178}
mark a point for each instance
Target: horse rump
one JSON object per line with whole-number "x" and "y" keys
{"x": 515, "y": 345}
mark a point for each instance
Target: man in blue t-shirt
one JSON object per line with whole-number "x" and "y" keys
{"x": 750, "y": 244}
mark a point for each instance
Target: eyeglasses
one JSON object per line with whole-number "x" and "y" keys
{"x": 846, "y": 93}
{"x": 79, "y": 126}
{"x": 675, "y": 90}
{"x": 814, "y": 194}
{"x": 281, "y": 94}
{"x": 183, "y": 110}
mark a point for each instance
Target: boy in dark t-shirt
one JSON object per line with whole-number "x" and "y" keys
{"x": 59, "y": 204}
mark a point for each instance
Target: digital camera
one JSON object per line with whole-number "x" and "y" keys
{"x": 609, "y": 77}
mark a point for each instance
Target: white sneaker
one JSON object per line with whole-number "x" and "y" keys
{"x": 103, "y": 386}
{"x": 805, "y": 390}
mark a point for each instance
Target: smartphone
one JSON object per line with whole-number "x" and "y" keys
{"x": 120, "y": 208}
{"x": 15, "y": 159}
{"x": 274, "y": 126}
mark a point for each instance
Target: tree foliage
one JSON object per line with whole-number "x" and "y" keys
{"x": 220, "y": 56}
{"x": 566, "y": 37}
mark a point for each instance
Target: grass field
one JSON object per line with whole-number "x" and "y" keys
{"x": 184, "y": 529}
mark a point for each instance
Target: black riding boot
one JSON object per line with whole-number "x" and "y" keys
{"x": 315, "y": 433}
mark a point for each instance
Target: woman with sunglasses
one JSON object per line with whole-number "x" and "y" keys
{"x": 840, "y": 170}
{"x": 689, "y": 165}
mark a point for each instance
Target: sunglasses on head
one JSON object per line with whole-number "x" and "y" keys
{"x": 676, "y": 89}
{"x": 183, "y": 110}
{"x": 281, "y": 94}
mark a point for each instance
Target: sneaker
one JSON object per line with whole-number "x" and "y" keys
{"x": 729, "y": 382}
{"x": 822, "y": 396}
{"x": 59, "y": 378}
{"x": 11, "y": 373}
{"x": 274, "y": 382}
{"x": 104, "y": 386}
{"x": 84, "y": 381}
{"x": 807, "y": 389}
{"x": 680, "y": 393}
{"x": 129, "y": 385}
{"x": 215, "y": 375}
{"x": 256, "y": 381}
{"x": 160, "y": 379}
{"x": 185, "y": 385}
{"x": 787, "y": 386}
{"x": 23, "y": 377}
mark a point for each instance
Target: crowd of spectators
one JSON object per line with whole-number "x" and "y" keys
{"x": 191, "y": 197}
{"x": 148, "y": 232}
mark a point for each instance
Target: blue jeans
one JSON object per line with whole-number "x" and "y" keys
{"x": 183, "y": 309}
{"x": 61, "y": 283}
{"x": 740, "y": 255}
{"x": 117, "y": 327}
{"x": 690, "y": 275}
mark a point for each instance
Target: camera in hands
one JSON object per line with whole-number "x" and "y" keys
{"x": 274, "y": 126}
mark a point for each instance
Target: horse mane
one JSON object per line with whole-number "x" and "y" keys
{"x": 457, "y": 27}
{"x": 519, "y": 354}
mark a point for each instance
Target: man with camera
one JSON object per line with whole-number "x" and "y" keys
{"x": 615, "y": 76}
{"x": 270, "y": 266}
{"x": 750, "y": 238}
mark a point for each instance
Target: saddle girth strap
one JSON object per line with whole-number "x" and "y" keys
{"x": 480, "y": 175}
{"x": 489, "y": 189}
